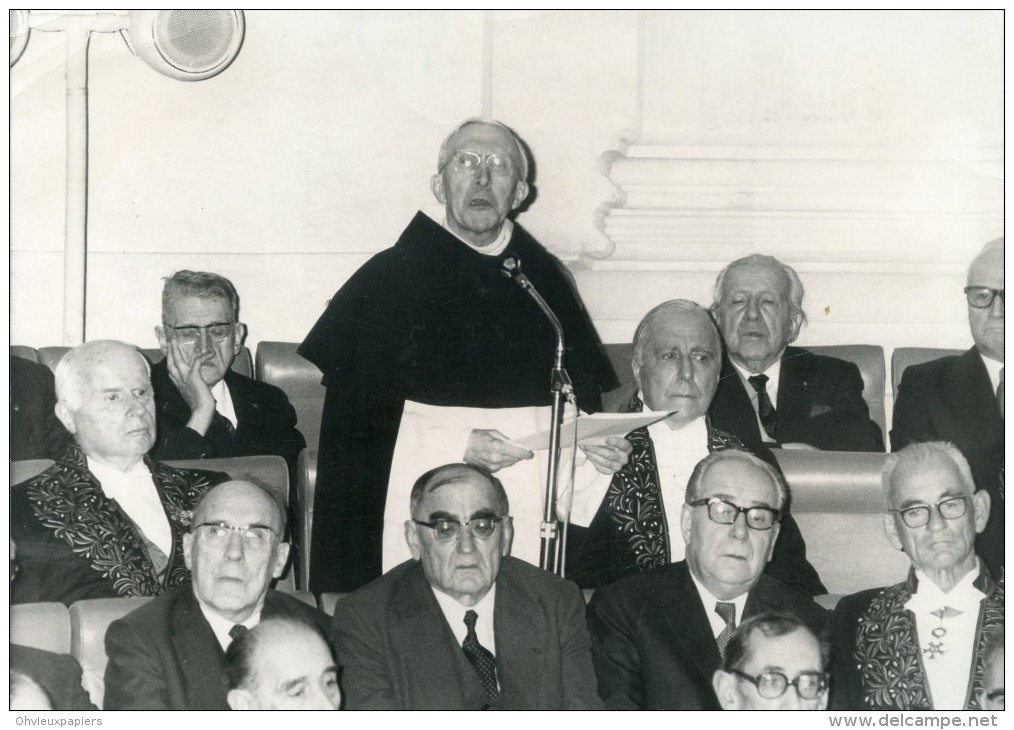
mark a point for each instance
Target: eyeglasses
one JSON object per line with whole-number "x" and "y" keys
{"x": 726, "y": 513}
{"x": 216, "y": 534}
{"x": 482, "y": 528}
{"x": 771, "y": 684}
{"x": 950, "y": 508}
{"x": 192, "y": 333}
{"x": 468, "y": 162}
{"x": 981, "y": 297}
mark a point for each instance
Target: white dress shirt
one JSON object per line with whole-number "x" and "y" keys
{"x": 993, "y": 367}
{"x": 223, "y": 402}
{"x": 222, "y": 626}
{"x": 493, "y": 249}
{"x": 454, "y": 612}
{"x": 774, "y": 374}
{"x": 135, "y": 493}
{"x": 709, "y": 601}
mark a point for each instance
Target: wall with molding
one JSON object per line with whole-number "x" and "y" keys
{"x": 866, "y": 149}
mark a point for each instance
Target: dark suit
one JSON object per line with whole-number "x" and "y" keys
{"x": 952, "y": 399}
{"x": 58, "y": 674}
{"x": 398, "y": 653}
{"x": 75, "y": 543}
{"x": 820, "y": 402}
{"x": 36, "y": 432}
{"x": 878, "y": 664}
{"x": 164, "y": 655}
{"x": 266, "y": 422}
{"x": 653, "y": 646}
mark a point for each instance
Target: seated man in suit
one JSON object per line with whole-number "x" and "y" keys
{"x": 773, "y": 394}
{"x": 658, "y": 637}
{"x": 170, "y": 653}
{"x": 282, "y": 664}
{"x": 629, "y": 522}
{"x": 920, "y": 644}
{"x": 991, "y": 694}
{"x": 36, "y": 432}
{"x": 463, "y": 625}
{"x": 960, "y": 398}
{"x": 104, "y": 520}
{"x": 206, "y": 409}
{"x": 773, "y": 662}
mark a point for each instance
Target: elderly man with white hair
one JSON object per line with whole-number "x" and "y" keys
{"x": 104, "y": 520}
{"x": 922, "y": 644}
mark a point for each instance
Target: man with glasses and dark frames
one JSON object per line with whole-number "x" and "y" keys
{"x": 959, "y": 398}
{"x": 464, "y": 626}
{"x": 205, "y": 409}
{"x": 659, "y": 637}
{"x": 170, "y": 653}
{"x": 921, "y": 644}
{"x": 773, "y": 662}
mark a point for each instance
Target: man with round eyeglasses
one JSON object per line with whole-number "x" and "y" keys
{"x": 659, "y": 637}
{"x": 205, "y": 409}
{"x": 773, "y": 662}
{"x": 463, "y": 625}
{"x": 431, "y": 355}
{"x": 921, "y": 644}
{"x": 170, "y": 653}
{"x": 960, "y": 398}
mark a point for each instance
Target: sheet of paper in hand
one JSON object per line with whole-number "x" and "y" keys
{"x": 592, "y": 429}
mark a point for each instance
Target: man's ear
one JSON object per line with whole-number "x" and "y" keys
{"x": 776, "y": 528}
{"x": 66, "y": 416}
{"x": 188, "y": 546}
{"x": 981, "y": 501}
{"x": 795, "y": 324}
{"x": 281, "y": 558}
{"x": 520, "y": 193}
{"x": 891, "y": 530}
{"x": 686, "y": 522}
{"x": 241, "y": 699}
{"x": 163, "y": 342}
{"x": 508, "y": 535}
{"x": 412, "y": 538}
{"x": 238, "y": 337}
{"x": 725, "y": 689}
{"x": 437, "y": 186}
{"x": 635, "y": 366}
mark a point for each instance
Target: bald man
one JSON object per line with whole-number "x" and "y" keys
{"x": 960, "y": 398}
{"x": 104, "y": 520}
{"x": 170, "y": 653}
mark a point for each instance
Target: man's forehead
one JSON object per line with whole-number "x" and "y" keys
{"x": 189, "y": 307}
{"x": 683, "y": 327}
{"x": 761, "y": 274}
{"x": 797, "y": 651}
{"x": 470, "y": 492}
{"x": 740, "y": 480}
{"x": 480, "y": 134}
{"x": 237, "y": 505}
{"x": 927, "y": 480}
{"x": 987, "y": 270}
{"x": 115, "y": 367}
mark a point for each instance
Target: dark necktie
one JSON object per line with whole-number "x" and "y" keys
{"x": 224, "y": 423}
{"x": 482, "y": 661}
{"x": 765, "y": 409}
{"x": 727, "y": 612}
{"x": 237, "y": 631}
{"x": 999, "y": 393}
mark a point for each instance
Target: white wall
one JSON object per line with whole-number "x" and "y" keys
{"x": 865, "y": 149}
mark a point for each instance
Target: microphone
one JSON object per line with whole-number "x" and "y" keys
{"x": 511, "y": 268}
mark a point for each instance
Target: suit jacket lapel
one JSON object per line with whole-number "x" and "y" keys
{"x": 792, "y": 403}
{"x": 200, "y": 656}
{"x": 973, "y": 399}
{"x": 685, "y": 613}
{"x": 246, "y": 407}
{"x": 732, "y": 409}
{"x": 521, "y": 633}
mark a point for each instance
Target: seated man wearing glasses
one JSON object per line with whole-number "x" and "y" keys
{"x": 170, "y": 653}
{"x": 205, "y": 409}
{"x": 921, "y": 644}
{"x": 960, "y": 398}
{"x": 464, "y": 626}
{"x": 658, "y": 637}
{"x": 773, "y": 662}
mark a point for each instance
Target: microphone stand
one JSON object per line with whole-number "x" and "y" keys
{"x": 550, "y": 557}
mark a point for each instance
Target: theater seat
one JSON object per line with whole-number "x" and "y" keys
{"x": 869, "y": 359}
{"x": 902, "y": 357}
{"x": 328, "y": 600}
{"x": 25, "y": 352}
{"x": 279, "y": 364}
{"x": 88, "y": 623}
{"x": 22, "y": 471}
{"x": 306, "y": 480}
{"x": 51, "y": 356}
{"x": 41, "y": 625}
{"x": 838, "y": 503}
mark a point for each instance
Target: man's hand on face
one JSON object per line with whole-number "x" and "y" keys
{"x": 610, "y": 458}
{"x": 490, "y": 449}
{"x": 187, "y": 379}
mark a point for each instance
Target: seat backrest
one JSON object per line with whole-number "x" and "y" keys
{"x": 902, "y": 357}
{"x": 279, "y": 364}
{"x": 619, "y": 354}
{"x": 25, "y": 352}
{"x": 269, "y": 471}
{"x": 838, "y": 503}
{"x": 51, "y": 356}
{"x": 328, "y": 600}
{"x": 41, "y": 625}
{"x": 306, "y": 480}
{"x": 871, "y": 364}
{"x": 22, "y": 471}
{"x": 88, "y": 623}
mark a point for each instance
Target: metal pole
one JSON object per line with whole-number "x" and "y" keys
{"x": 76, "y": 235}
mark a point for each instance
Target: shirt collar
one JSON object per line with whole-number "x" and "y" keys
{"x": 709, "y": 600}
{"x": 222, "y": 626}
{"x": 223, "y": 402}
{"x": 493, "y": 249}
{"x": 993, "y": 367}
{"x": 105, "y": 473}
{"x": 774, "y": 374}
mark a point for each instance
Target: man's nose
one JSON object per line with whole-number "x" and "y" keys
{"x": 996, "y": 307}
{"x": 466, "y": 540}
{"x": 936, "y": 520}
{"x": 686, "y": 369}
{"x": 790, "y": 700}
{"x": 738, "y": 528}
{"x": 482, "y": 175}
{"x": 234, "y": 546}
{"x": 752, "y": 308}
{"x": 203, "y": 342}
